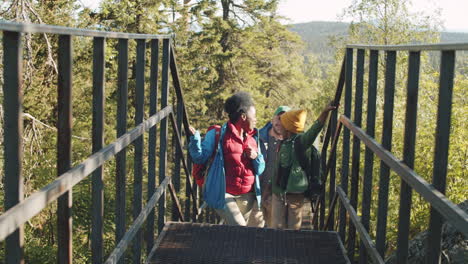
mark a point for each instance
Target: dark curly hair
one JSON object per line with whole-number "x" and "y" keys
{"x": 237, "y": 104}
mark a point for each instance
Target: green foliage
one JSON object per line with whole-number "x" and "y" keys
{"x": 388, "y": 22}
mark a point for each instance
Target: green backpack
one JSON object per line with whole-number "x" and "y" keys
{"x": 311, "y": 166}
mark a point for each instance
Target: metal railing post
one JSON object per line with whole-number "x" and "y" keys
{"x": 387, "y": 129}
{"x": 408, "y": 155}
{"x": 356, "y": 147}
{"x": 346, "y": 135}
{"x": 13, "y": 137}
{"x": 332, "y": 159}
{"x": 177, "y": 158}
{"x": 163, "y": 133}
{"x": 97, "y": 206}
{"x": 152, "y": 139}
{"x": 121, "y": 157}
{"x": 138, "y": 143}
{"x": 64, "y": 132}
{"x": 439, "y": 177}
{"x": 369, "y": 155}
{"x": 188, "y": 193}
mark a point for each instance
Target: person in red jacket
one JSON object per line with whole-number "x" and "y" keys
{"x": 241, "y": 158}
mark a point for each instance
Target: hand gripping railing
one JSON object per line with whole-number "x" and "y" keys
{"x": 20, "y": 210}
{"x": 441, "y": 208}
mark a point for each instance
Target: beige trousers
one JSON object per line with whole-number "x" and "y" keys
{"x": 256, "y": 218}
{"x": 238, "y": 209}
{"x": 262, "y": 218}
{"x": 287, "y": 211}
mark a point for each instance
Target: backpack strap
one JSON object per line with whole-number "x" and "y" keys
{"x": 300, "y": 153}
{"x": 311, "y": 167}
{"x": 283, "y": 172}
{"x": 217, "y": 129}
{"x": 219, "y": 135}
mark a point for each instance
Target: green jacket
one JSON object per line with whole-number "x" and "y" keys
{"x": 297, "y": 181}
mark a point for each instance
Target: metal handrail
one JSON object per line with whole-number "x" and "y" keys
{"x": 119, "y": 250}
{"x": 43, "y": 28}
{"x": 362, "y": 231}
{"x": 441, "y": 207}
{"x": 452, "y": 213}
{"x": 412, "y": 47}
{"x": 22, "y": 212}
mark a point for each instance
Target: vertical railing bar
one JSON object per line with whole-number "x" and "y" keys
{"x": 322, "y": 208}
{"x": 173, "y": 153}
{"x": 328, "y": 166}
{"x": 97, "y": 207}
{"x": 369, "y": 156}
{"x": 178, "y": 90}
{"x": 332, "y": 167}
{"x": 322, "y": 200}
{"x": 180, "y": 109}
{"x": 333, "y": 127}
{"x": 341, "y": 82}
{"x": 163, "y": 133}
{"x": 64, "y": 132}
{"x": 175, "y": 200}
{"x": 195, "y": 191}
{"x": 121, "y": 157}
{"x": 323, "y": 156}
{"x": 356, "y": 147}
{"x": 439, "y": 176}
{"x": 188, "y": 191}
{"x": 333, "y": 148}
{"x": 138, "y": 143}
{"x": 387, "y": 130}
{"x": 328, "y": 222}
{"x": 185, "y": 121}
{"x": 177, "y": 159}
{"x": 152, "y": 138}
{"x": 13, "y": 137}
{"x": 408, "y": 155}
{"x": 314, "y": 209}
{"x": 346, "y": 135}
{"x": 178, "y": 144}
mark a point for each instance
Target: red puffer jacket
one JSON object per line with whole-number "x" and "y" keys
{"x": 238, "y": 167}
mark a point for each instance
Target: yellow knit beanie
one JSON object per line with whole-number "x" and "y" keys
{"x": 294, "y": 120}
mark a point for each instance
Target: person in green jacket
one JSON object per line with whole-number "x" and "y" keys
{"x": 289, "y": 182}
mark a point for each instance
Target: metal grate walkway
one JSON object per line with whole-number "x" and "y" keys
{"x": 207, "y": 243}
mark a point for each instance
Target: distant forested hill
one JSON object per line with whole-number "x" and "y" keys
{"x": 317, "y": 36}
{"x": 454, "y": 37}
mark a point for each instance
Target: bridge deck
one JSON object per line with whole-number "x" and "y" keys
{"x": 207, "y": 243}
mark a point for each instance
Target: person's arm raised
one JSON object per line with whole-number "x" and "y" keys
{"x": 199, "y": 150}
{"x": 309, "y": 136}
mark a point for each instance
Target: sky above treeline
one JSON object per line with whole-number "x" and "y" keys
{"x": 453, "y": 12}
